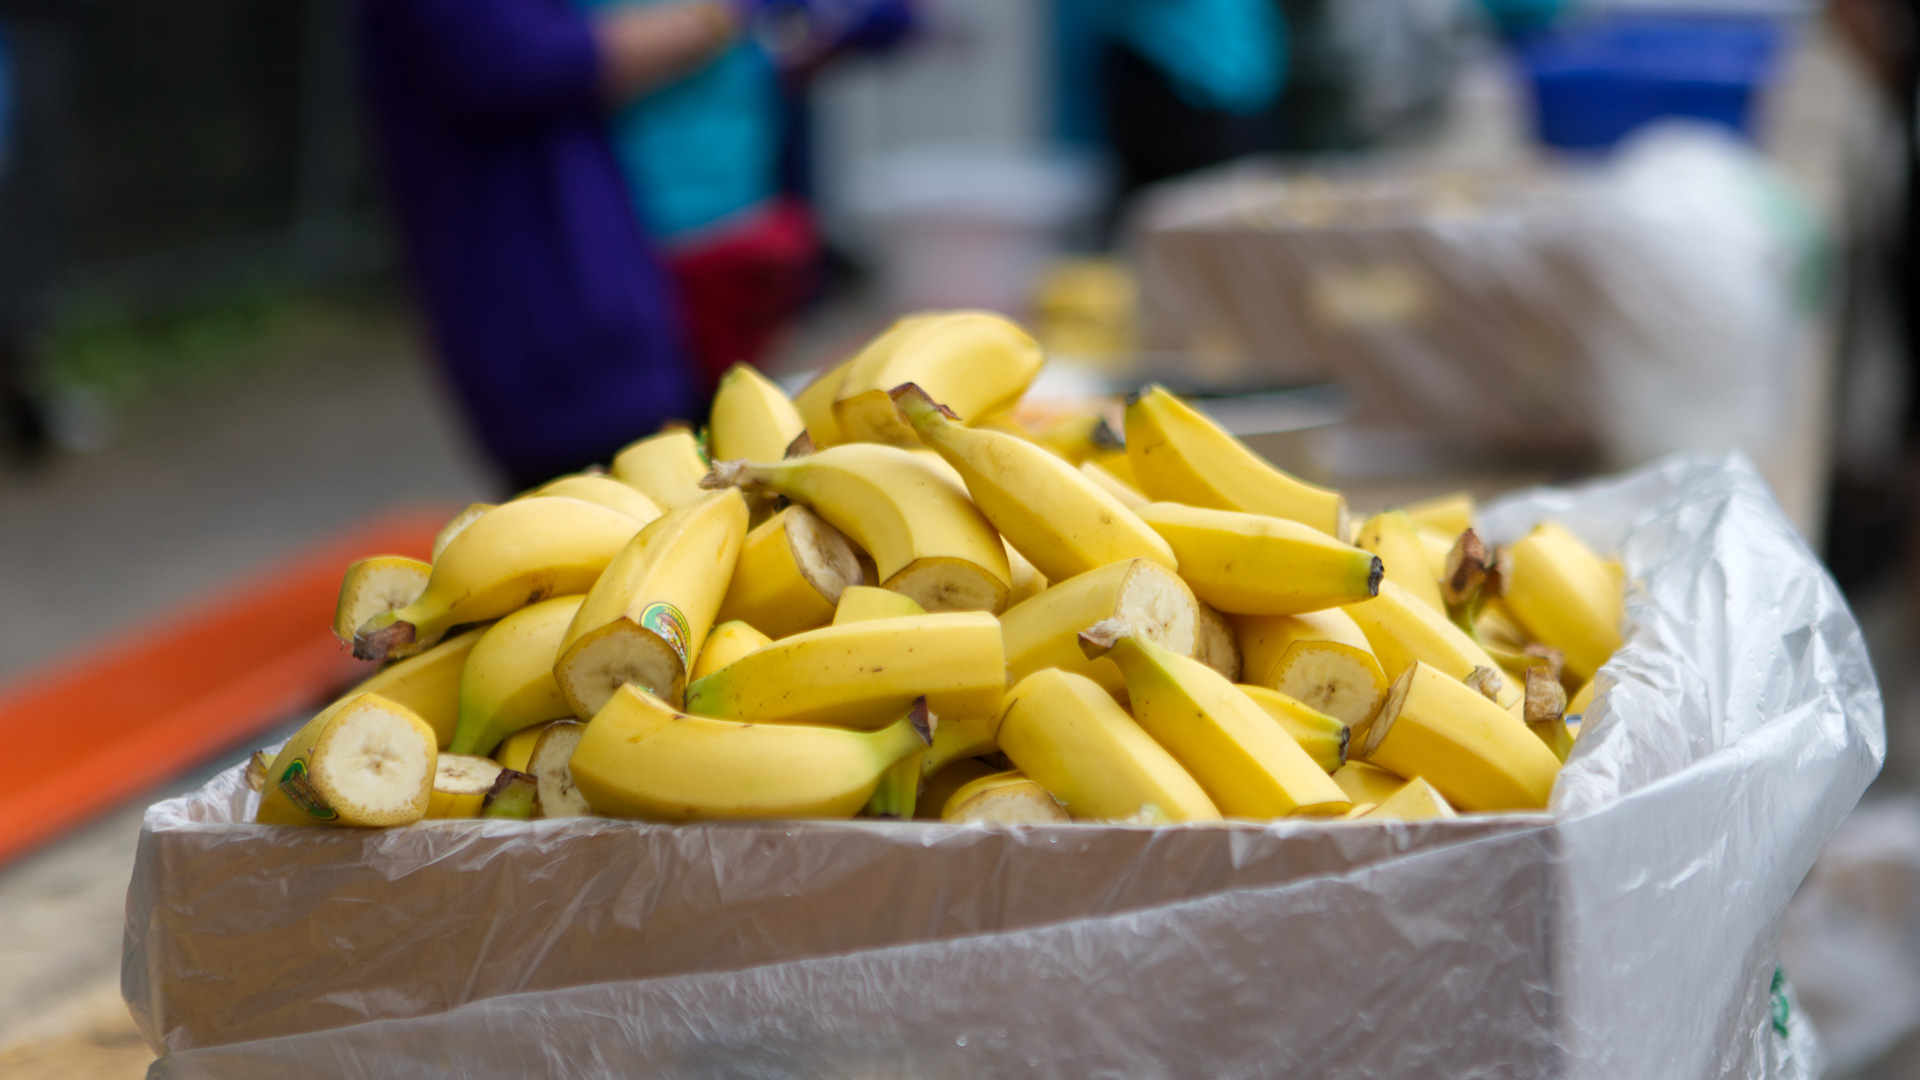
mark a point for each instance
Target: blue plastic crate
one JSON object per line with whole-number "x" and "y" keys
{"x": 1595, "y": 81}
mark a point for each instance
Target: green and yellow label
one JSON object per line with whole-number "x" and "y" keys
{"x": 670, "y": 625}
{"x": 298, "y": 787}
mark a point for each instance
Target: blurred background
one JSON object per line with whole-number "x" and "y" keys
{"x": 271, "y": 272}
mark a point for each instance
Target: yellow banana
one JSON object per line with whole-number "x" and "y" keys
{"x": 1320, "y": 658}
{"x": 974, "y": 362}
{"x": 641, "y": 759}
{"x": 554, "y": 794}
{"x": 1067, "y": 734}
{"x": 752, "y": 417}
{"x": 373, "y": 586}
{"x": 609, "y": 493}
{"x": 939, "y": 787}
{"x": 361, "y": 761}
{"x": 1437, "y": 546}
{"x": 455, "y": 526}
{"x": 926, "y": 537}
{"x": 665, "y": 468}
{"x": 863, "y": 674}
{"x": 1415, "y": 800}
{"x": 790, "y": 574}
{"x": 958, "y": 739}
{"x": 1581, "y": 702}
{"x": 860, "y": 603}
{"x": 814, "y": 403}
{"x": 1402, "y": 629}
{"x": 1106, "y": 481}
{"x": 516, "y": 752}
{"x": 1565, "y": 597}
{"x": 426, "y": 684}
{"x": 514, "y": 555}
{"x": 1007, "y": 798}
{"x": 1044, "y": 632}
{"x": 727, "y": 642}
{"x": 1078, "y": 438}
{"x": 1245, "y": 762}
{"x": 1249, "y": 564}
{"x": 1062, "y": 522}
{"x": 1448, "y": 515}
{"x": 460, "y": 785}
{"x": 508, "y": 681}
{"x": 1366, "y": 784}
{"x": 646, "y": 617}
{"x": 1396, "y": 539}
{"x": 1476, "y": 753}
{"x": 1323, "y": 737}
{"x": 1027, "y": 582}
{"x": 1179, "y": 455}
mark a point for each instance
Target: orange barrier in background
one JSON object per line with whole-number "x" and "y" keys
{"x": 102, "y": 726}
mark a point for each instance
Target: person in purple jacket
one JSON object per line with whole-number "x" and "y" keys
{"x": 553, "y": 318}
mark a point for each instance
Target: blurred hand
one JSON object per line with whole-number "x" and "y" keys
{"x": 801, "y": 34}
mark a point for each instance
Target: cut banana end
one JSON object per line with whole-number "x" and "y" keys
{"x": 939, "y": 786}
{"x": 947, "y": 584}
{"x": 791, "y": 571}
{"x": 460, "y": 785}
{"x": 1044, "y": 632}
{"x": 511, "y": 797}
{"x": 1007, "y": 798}
{"x": 614, "y": 655}
{"x": 456, "y": 524}
{"x": 1216, "y": 646}
{"x": 364, "y": 761}
{"x": 1344, "y": 682}
{"x": 554, "y": 793}
{"x": 375, "y": 586}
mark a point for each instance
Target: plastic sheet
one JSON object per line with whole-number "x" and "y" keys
{"x": 1633, "y": 931}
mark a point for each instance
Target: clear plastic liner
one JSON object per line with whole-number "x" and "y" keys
{"x": 1632, "y": 932}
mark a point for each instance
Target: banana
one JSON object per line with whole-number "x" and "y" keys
{"x": 1396, "y": 540}
{"x": 508, "y": 682}
{"x": 514, "y": 796}
{"x": 1581, "y": 702}
{"x": 1323, "y": 737}
{"x": 641, "y": 759}
{"x": 939, "y": 787}
{"x": 1116, "y": 464}
{"x": 1448, "y": 515}
{"x": 1006, "y": 798}
{"x": 1062, "y": 522}
{"x": 1007, "y": 423}
{"x": 727, "y": 642}
{"x": 975, "y": 362}
{"x": 814, "y": 403}
{"x": 1476, "y": 753}
{"x": 665, "y": 468}
{"x": 1044, "y": 632}
{"x": 1179, "y": 455}
{"x": 752, "y": 417}
{"x": 1078, "y": 438}
{"x": 646, "y": 617}
{"x": 1066, "y": 734}
{"x": 861, "y": 603}
{"x": 1366, "y": 784}
{"x": 460, "y": 785}
{"x": 1027, "y": 582}
{"x": 256, "y": 772}
{"x": 1104, "y": 479}
{"x": 1245, "y": 762}
{"x": 516, "y": 752}
{"x": 956, "y": 740}
{"x": 609, "y": 493}
{"x": 863, "y": 675}
{"x": 791, "y": 572}
{"x": 1415, "y": 800}
{"x": 455, "y": 525}
{"x": 427, "y": 684}
{"x": 926, "y": 537}
{"x": 374, "y": 586}
{"x": 361, "y": 761}
{"x": 1402, "y": 629}
{"x": 898, "y": 793}
{"x": 554, "y": 794}
{"x": 1250, "y": 564}
{"x": 1565, "y": 597}
{"x": 1320, "y": 658}
{"x": 1214, "y": 643}
{"x": 1437, "y": 546}
{"x": 512, "y": 556}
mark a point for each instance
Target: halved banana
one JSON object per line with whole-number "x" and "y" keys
{"x": 1215, "y": 645}
{"x": 790, "y": 574}
{"x": 375, "y": 586}
{"x": 1044, "y": 631}
{"x": 362, "y": 761}
{"x": 1007, "y": 798}
{"x": 460, "y": 785}
{"x": 554, "y": 793}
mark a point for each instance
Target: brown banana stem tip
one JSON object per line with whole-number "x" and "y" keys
{"x": 382, "y": 642}
{"x": 1486, "y": 681}
{"x": 1554, "y": 660}
{"x": 801, "y": 446}
{"x": 900, "y": 394}
{"x": 1546, "y": 698}
{"x": 1105, "y": 438}
{"x": 1375, "y": 575}
{"x": 1100, "y": 638}
{"x": 1466, "y": 569}
{"x": 923, "y": 721}
{"x": 725, "y": 474}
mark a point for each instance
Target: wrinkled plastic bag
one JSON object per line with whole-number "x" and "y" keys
{"x": 1632, "y": 932}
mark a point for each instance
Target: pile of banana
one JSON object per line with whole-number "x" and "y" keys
{"x": 888, "y": 597}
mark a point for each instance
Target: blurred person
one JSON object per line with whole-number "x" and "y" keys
{"x": 553, "y": 316}
{"x": 703, "y": 159}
